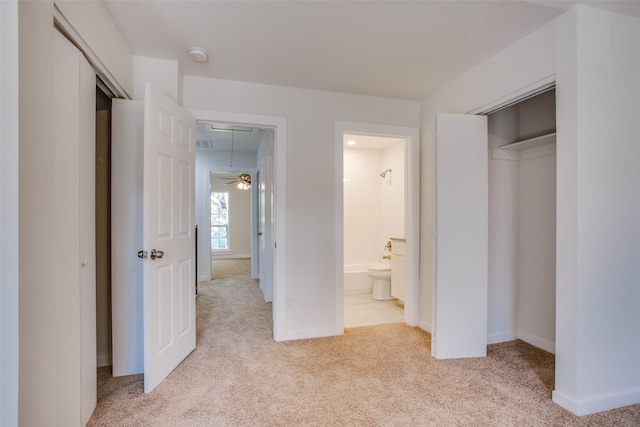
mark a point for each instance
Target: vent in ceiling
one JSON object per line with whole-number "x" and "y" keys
{"x": 204, "y": 144}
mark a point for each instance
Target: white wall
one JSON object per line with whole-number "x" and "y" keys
{"x": 504, "y": 227}
{"x": 598, "y": 345}
{"x": 162, "y": 73}
{"x": 537, "y": 252}
{"x": 594, "y": 56}
{"x": 500, "y": 78}
{"x": 9, "y": 213}
{"x": 38, "y": 385}
{"x": 311, "y": 117}
{"x": 104, "y": 44}
{"x": 239, "y": 218}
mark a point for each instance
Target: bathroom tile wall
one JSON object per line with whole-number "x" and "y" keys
{"x": 392, "y": 215}
{"x": 373, "y": 207}
{"x": 362, "y": 202}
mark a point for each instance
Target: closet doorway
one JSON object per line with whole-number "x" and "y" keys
{"x": 522, "y": 222}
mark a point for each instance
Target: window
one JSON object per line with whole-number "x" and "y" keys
{"x": 219, "y": 221}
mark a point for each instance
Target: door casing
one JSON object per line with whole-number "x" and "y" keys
{"x": 412, "y": 214}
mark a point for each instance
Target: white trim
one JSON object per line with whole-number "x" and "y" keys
{"x": 279, "y": 124}
{"x": 300, "y": 334}
{"x": 100, "y": 68}
{"x": 425, "y": 326}
{"x": 501, "y": 337}
{"x": 538, "y": 342}
{"x": 516, "y": 96}
{"x": 601, "y": 403}
{"x": 103, "y": 360}
{"x": 412, "y": 214}
{"x": 535, "y": 341}
{"x": 9, "y": 273}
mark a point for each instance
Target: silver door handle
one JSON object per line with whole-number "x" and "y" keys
{"x": 156, "y": 254}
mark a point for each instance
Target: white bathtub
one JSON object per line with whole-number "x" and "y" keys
{"x": 356, "y": 280}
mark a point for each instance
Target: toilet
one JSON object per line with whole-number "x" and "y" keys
{"x": 381, "y": 277}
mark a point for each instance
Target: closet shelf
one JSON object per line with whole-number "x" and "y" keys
{"x": 531, "y": 143}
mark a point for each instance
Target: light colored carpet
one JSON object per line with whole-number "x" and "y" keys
{"x": 371, "y": 376}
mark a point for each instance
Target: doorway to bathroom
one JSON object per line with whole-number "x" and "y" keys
{"x": 376, "y": 225}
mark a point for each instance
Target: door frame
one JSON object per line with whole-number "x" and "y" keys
{"x": 9, "y": 214}
{"x": 206, "y": 194}
{"x": 279, "y": 125}
{"x": 264, "y": 231}
{"x": 412, "y": 213}
{"x": 499, "y": 103}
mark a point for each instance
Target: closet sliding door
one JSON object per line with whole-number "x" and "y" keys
{"x": 73, "y": 230}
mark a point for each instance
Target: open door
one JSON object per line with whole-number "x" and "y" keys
{"x": 265, "y": 225}
{"x": 153, "y": 296}
{"x": 168, "y": 236}
{"x": 461, "y": 237}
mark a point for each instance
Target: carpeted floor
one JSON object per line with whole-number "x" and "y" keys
{"x": 371, "y": 376}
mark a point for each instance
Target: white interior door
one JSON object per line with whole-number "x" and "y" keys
{"x": 168, "y": 236}
{"x": 461, "y": 237}
{"x": 72, "y": 234}
{"x": 265, "y": 225}
{"x": 127, "y": 140}
{"x": 261, "y": 224}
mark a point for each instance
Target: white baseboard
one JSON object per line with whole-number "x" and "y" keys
{"x": 311, "y": 333}
{"x": 596, "y": 404}
{"x": 425, "y": 326}
{"x": 535, "y": 341}
{"x": 497, "y": 338}
{"x": 229, "y": 255}
{"x": 541, "y": 343}
{"x": 104, "y": 360}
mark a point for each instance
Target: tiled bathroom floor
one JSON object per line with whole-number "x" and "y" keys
{"x": 362, "y": 310}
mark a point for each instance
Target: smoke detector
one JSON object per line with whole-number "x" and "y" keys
{"x": 198, "y": 54}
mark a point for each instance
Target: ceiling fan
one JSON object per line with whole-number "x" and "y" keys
{"x": 243, "y": 180}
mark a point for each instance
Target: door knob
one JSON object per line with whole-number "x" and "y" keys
{"x": 156, "y": 254}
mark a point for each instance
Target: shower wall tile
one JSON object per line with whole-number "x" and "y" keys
{"x": 393, "y": 192}
{"x": 362, "y": 202}
{"x": 373, "y": 206}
